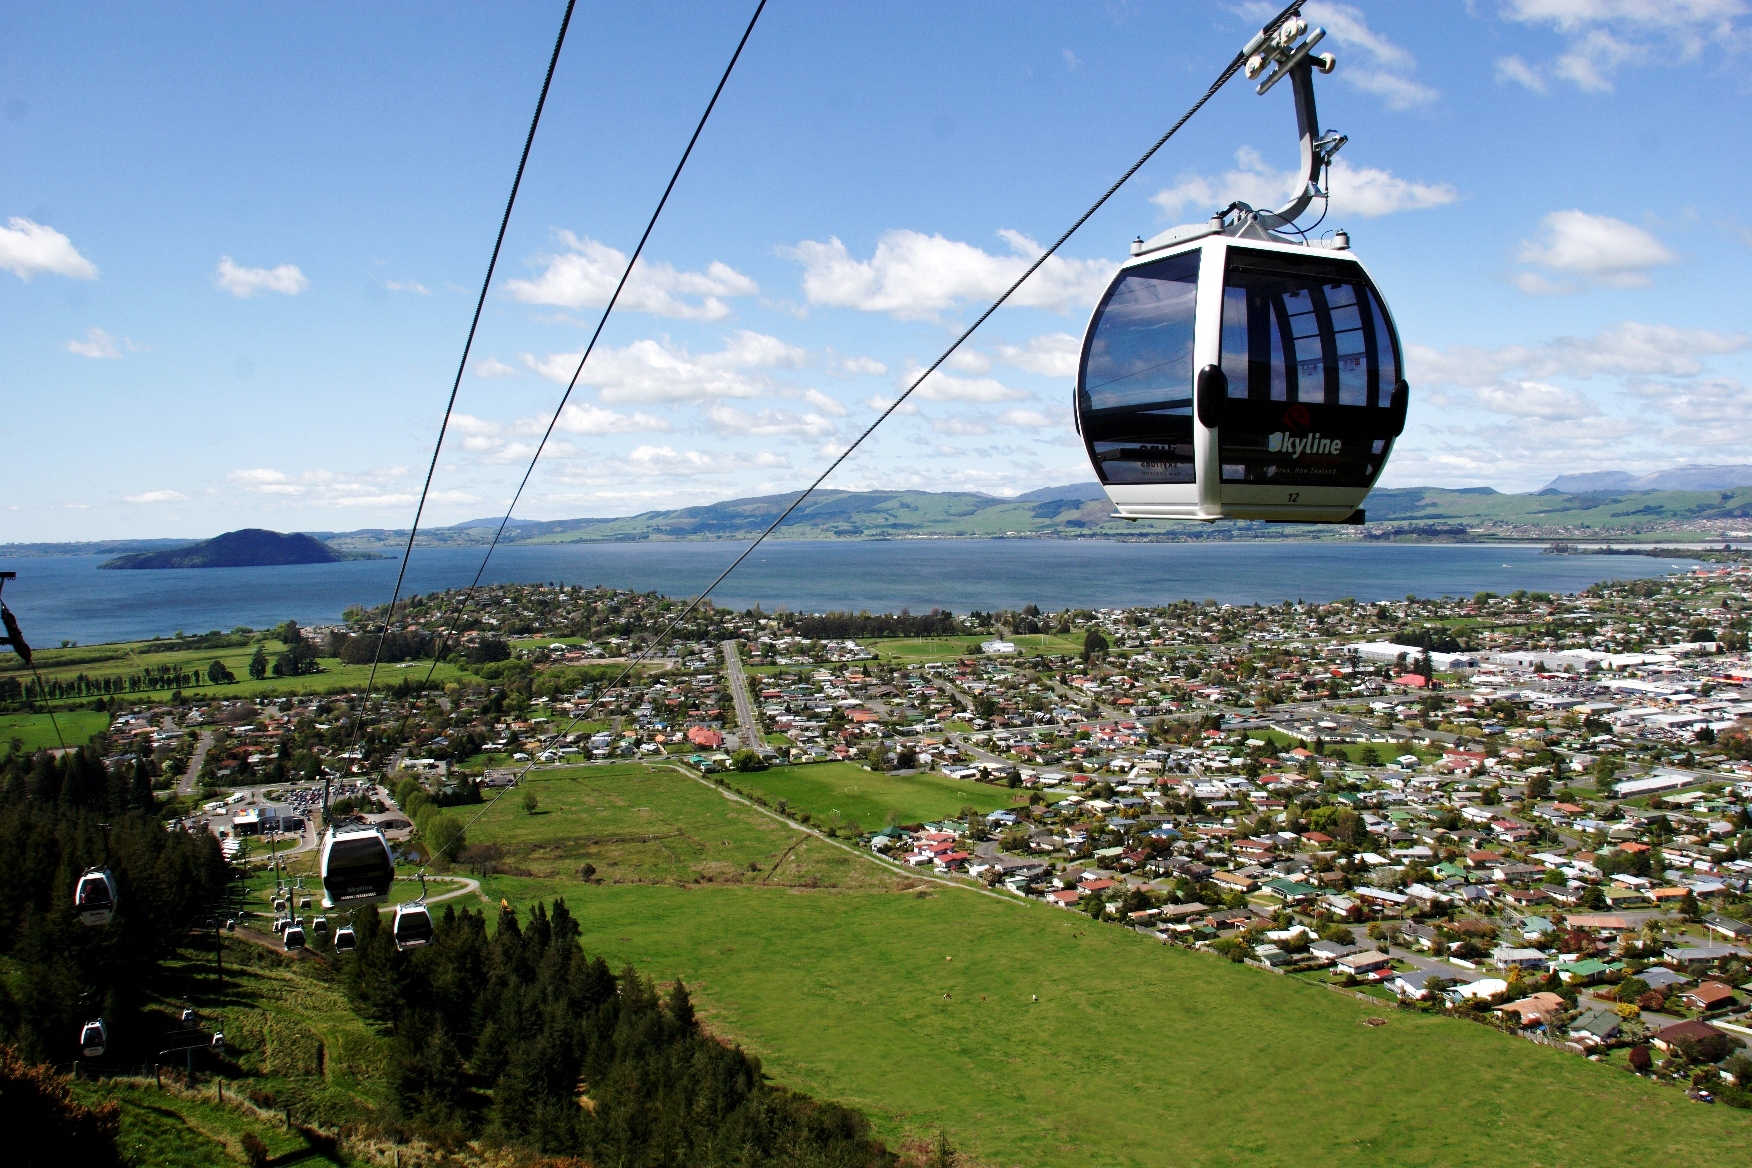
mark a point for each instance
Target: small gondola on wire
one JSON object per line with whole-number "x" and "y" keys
{"x": 1238, "y": 369}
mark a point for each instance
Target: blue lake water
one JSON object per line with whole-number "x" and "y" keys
{"x": 66, "y": 598}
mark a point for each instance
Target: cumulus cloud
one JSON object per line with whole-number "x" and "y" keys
{"x": 1366, "y": 191}
{"x": 959, "y": 427}
{"x": 493, "y": 367}
{"x": 1383, "y": 67}
{"x": 665, "y": 461}
{"x": 584, "y": 418}
{"x": 1051, "y": 355}
{"x": 662, "y": 371}
{"x": 1518, "y": 71}
{"x": 859, "y": 365}
{"x": 28, "y": 249}
{"x": 407, "y": 286}
{"x": 913, "y": 276}
{"x": 97, "y": 344}
{"x": 1628, "y": 349}
{"x": 585, "y": 275}
{"x": 328, "y": 488}
{"x": 825, "y": 404}
{"x": 1596, "y": 248}
{"x": 941, "y": 387}
{"x": 879, "y": 403}
{"x": 1602, "y": 36}
{"x": 157, "y": 497}
{"x": 1712, "y": 412}
{"x": 244, "y": 283}
{"x": 263, "y": 481}
{"x": 769, "y": 422}
{"x": 1535, "y": 399}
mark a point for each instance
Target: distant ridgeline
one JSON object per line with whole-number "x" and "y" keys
{"x": 249, "y": 548}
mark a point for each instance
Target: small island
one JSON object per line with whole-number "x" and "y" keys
{"x": 249, "y": 548}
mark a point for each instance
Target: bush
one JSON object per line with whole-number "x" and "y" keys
{"x": 45, "y": 1124}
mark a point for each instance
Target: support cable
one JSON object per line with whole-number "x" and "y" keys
{"x": 456, "y": 385}
{"x": 462, "y": 604}
{"x": 1223, "y": 78}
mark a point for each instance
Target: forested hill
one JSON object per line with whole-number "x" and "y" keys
{"x": 249, "y": 548}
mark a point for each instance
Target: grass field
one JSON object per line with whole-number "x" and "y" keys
{"x": 127, "y": 658}
{"x": 913, "y": 649}
{"x": 916, "y": 1002}
{"x": 38, "y": 730}
{"x": 868, "y": 796}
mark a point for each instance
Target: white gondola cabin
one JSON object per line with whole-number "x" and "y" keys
{"x": 1236, "y": 369}
{"x": 95, "y": 896}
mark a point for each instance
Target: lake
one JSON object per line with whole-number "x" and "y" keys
{"x": 67, "y": 598}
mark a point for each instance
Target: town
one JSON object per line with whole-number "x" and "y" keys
{"x": 1528, "y": 810}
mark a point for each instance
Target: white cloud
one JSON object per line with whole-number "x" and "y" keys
{"x": 157, "y": 497}
{"x": 246, "y": 282}
{"x": 1051, "y": 355}
{"x": 1628, "y": 349}
{"x": 661, "y": 371}
{"x": 407, "y": 286}
{"x": 1535, "y": 399}
{"x": 941, "y": 387}
{"x": 1522, "y": 74}
{"x": 1711, "y": 412}
{"x": 879, "y": 403}
{"x": 97, "y": 343}
{"x": 825, "y": 404}
{"x": 584, "y": 418}
{"x": 969, "y": 361}
{"x": 913, "y": 276}
{"x": 1384, "y": 76}
{"x": 1073, "y": 62}
{"x": 1597, "y": 248}
{"x": 263, "y": 481}
{"x": 493, "y": 367}
{"x": 1032, "y": 419}
{"x": 664, "y": 461}
{"x": 1602, "y": 36}
{"x": 28, "y": 249}
{"x": 959, "y": 427}
{"x": 586, "y": 273}
{"x": 856, "y": 365}
{"x": 1356, "y": 190}
{"x": 769, "y": 422}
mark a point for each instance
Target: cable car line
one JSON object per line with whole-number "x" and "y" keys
{"x": 626, "y": 274}
{"x": 16, "y": 640}
{"x": 462, "y": 365}
{"x": 1241, "y": 59}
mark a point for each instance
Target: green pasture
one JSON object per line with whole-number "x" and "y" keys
{"x": 38, "y": 730}
{"x": 641, "y": 824}
{"x": 919, "y": 649}
{"x": 867, "y": 797}
{"x": 126, "y": 659}
{"x": 1033, "y": 1036}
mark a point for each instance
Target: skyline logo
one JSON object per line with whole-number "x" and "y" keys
{"x": 1286, "y": 443}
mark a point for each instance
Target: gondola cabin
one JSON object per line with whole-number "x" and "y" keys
{"x": 94, "y": 1038}
{"x": 356, "y": 868}
{"x": 94, "y": 897}
{"x": 1243, "y": 378}
{"x": 413, "y": 925}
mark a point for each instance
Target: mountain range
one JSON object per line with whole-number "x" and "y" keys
{"x": 1612, "y": 503}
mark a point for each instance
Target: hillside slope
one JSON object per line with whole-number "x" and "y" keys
{"x": 250, "y": 548}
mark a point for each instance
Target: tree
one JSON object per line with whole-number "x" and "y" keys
{"x": 747, "y": 760}
{"x": 1094, "y": 645}
{"x": 258, "y": 664}
{"x": 1640, "y": 1060}
{"x": 530, "y": 802}
{"x": 218, "y": 674}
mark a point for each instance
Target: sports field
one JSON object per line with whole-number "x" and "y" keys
{"x": 1036, "y": 1037}
{"x": 913, "y": 649}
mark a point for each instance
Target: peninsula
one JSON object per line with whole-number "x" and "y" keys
{"x": 249, "y": 548}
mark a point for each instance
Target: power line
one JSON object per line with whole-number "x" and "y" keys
{"x": 462, "y": 604}
{"x": 467, "y": 345}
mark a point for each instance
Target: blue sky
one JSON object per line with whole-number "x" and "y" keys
{"x": 239, "y": 245}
